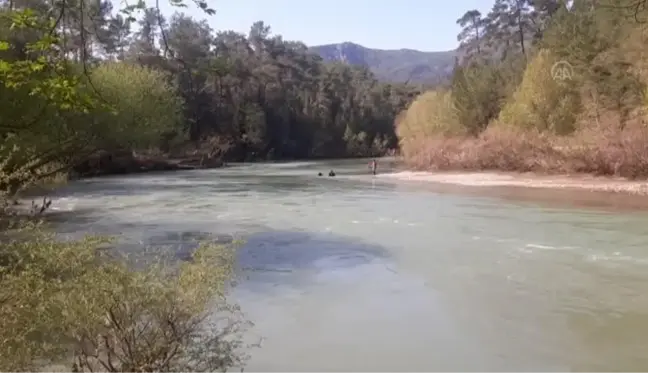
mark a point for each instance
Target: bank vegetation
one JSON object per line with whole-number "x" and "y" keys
{"x": 543, "y": 86}
{"x": 78, "y": 305}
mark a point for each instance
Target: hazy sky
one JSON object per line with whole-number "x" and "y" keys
{"x": 427, "y": 25}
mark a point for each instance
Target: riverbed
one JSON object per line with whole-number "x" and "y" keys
{"x": 362, "y": 273}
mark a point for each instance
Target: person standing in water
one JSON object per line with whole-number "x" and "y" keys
{"x": 373, "y": 165}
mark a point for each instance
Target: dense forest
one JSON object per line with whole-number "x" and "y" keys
{"x": 543, "y": 85}
{"x": 174, "y": 86}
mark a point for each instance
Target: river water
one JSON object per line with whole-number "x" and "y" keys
{"x": 357, "y": 273}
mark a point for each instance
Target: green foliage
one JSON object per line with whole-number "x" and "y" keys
{"x": 56, "y": 114}
{"x": 40, "y": 102}
{"x": 272, "y": 98}
{"x": 601, "y": 49}
{"x": 478, "y": 91}
{"x": 144, "y": 105}
{"x": 432, "y": 113}
{"x": 542, "y": 102}
{"x": 67, "y": 302}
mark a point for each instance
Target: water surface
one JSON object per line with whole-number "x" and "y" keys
{"x": 355, "y": 273}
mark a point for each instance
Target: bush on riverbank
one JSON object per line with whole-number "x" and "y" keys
{"x": 620, "y": 153}
{"x": 590, "y": 119}
{"x": 69, "y": 303}
{"x": 73, "y": 303}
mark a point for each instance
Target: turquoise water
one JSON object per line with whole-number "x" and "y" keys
{"x": 358, "y": 273}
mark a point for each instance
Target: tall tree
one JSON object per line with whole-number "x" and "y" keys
{"x": 472, "y": 33}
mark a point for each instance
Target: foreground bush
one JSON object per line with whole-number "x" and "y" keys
{"x": 70, "y": 303}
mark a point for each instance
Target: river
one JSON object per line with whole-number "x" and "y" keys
{"x": 356, "y": 273}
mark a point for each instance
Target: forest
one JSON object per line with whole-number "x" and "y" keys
{"x": 174, "y": 87}
{"x": 507, "y": 109}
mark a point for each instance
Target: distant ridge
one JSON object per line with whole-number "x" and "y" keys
{"x": 399, "y": 65}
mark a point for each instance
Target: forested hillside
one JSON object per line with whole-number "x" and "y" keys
{"x": 399, "y": 65}
{"x": 175, "y": 85}
{"x": 509, "y": 108}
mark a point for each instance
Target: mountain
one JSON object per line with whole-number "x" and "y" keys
{"x": 400, "y": 65}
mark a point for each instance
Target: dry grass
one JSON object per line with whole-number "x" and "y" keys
{"x": 608, "y": 151}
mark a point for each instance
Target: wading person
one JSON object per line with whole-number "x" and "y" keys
{"x": 373, "y": 166}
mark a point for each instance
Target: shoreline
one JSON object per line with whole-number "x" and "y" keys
{"x": 525, "y": 180}
{"x": 129, "y": 164}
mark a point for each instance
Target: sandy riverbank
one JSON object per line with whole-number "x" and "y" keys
{"x": 494, "y": 179}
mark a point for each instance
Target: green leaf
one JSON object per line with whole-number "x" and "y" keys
{"x": 4, "y": 45}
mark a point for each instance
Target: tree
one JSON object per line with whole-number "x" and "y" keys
{"x": 432, "y": 113}
{"x": 542, "y": 102}
{"x": 143, "y": 106}
{"x": 472, "y": 33}
{"x": 478, "y": 91}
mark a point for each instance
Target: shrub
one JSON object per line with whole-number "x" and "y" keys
{"x": 431, "y": 114}
{"x": 70, "y": 303}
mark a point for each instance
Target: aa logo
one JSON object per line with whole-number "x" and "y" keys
{"x": 562, "y": 71}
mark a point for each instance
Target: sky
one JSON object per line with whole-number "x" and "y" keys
{"x": 426, "y": 25}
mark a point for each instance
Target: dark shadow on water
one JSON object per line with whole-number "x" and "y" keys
{"x": 289, "y": 251}
{"x": 284, "y": 258}
{"x": 269, "y": 259}
{"x": 265, "y": 260}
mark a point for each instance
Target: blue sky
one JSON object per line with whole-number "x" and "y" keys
{"x": 427, "y": 25}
